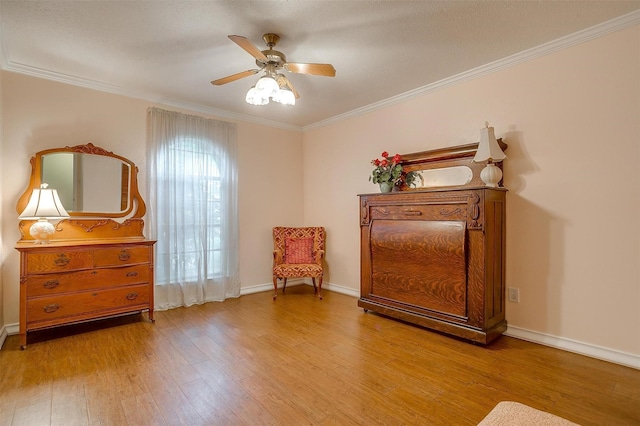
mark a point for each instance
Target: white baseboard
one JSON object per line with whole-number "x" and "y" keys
{"x": 299, "y": 281}
{"x": 259, "y": 288}
{"x": 340, "y": 289}
{"x": 3, "y": 336}
{"x": 587, "y": 349}
{"x": 8, "y": 330}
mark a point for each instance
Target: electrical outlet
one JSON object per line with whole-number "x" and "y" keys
{"x": 513, "y": 294}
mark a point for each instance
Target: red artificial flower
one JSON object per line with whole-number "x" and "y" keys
{"x": 385, "y": 154}
{"x": 396, "y": 158}
{"x": 376, "y": 162}
{"x": 384, "y": 163}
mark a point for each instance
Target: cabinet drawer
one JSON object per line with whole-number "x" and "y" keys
{"x": 50, "y": 284}
{"x": 434, "y": 211}
{"x": 52, "y": 262}
{"x": 50, "y": 309}
{"x": 121, "y": 256}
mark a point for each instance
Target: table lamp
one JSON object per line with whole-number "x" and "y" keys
{"x": 44, "y": 204}
{"x": 489, "y": 151}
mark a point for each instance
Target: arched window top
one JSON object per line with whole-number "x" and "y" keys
{"x": 191, "y": 157}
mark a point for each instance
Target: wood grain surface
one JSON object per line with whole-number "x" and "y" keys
{"x": 299, "y": 361}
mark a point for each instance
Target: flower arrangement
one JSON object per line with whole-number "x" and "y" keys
{"x": 388, "y": 172}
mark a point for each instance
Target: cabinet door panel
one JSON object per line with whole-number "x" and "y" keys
{"x": 421, "y": 263}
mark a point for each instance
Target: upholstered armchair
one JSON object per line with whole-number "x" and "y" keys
{"x": 298, "y": 253}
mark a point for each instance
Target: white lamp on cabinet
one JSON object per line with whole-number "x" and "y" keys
{"x": 489, "y": 150}
{"x": 43, "y": 204}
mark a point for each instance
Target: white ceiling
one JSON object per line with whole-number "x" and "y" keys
{"x": 169, "y": 51}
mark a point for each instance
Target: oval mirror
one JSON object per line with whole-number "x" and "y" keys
{"x": 446, "y": 176}
{"x": 90, "y": 181}
{"x": 87, "y": 182}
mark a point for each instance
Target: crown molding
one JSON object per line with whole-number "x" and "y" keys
{"x": 616, "y": 24}
{"x": 136, "y": 94}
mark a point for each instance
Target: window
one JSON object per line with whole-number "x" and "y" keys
{"x": 193, "y": 193}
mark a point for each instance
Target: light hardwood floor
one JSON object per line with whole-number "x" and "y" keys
{"x": 296, "y": 361}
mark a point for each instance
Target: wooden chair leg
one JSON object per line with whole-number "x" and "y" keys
{"x": 275, "y": 287}
{"x": 284, "y": 286}
{"x": 320, "y": 287}
{"x": 313, "y": 280}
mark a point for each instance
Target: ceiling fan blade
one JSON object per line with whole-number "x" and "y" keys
{"x": 249, "y": 47}
{"x": 234, "y": 77}
{"x": 293, "y": 89}
{"x": 314, "y": 69}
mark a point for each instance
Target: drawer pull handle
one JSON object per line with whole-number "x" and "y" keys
{"x": 51, "y": 284}
{"x": 51, "y": 308}
{"x": 132, "y": 296}
{"x": 62, "y": 260}
{"x": 412, "y": 213}
{"x": 132, "y": 274}
{"x": 124, "y": 255}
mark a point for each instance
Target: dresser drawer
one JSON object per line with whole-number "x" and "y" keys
{"x": 434, "y": 211}
{"x": 52, "y": 262}
{"x": 121, "y": 256}
{"x": 51, "y": 309}
{"x": 50, "y": 284}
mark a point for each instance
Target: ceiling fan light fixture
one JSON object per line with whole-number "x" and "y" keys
{"x": 273, "y": 85}
{"x": 284, "y": 96}
{"x": 266, "y": 86}
{"x": 255, "y": 98}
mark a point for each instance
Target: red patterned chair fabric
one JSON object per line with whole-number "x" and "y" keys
{"x": 298, "y": 253}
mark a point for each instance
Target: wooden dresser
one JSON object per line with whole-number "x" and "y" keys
{"x": 98, "y": 263}
{"x": 435, "y": 257}
{"x": 68, "y": 282}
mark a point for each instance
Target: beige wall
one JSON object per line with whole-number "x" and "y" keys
{"x": 40, "y": 114}
{"x": 572, "y": 123}
{"x": 2, "y": 322}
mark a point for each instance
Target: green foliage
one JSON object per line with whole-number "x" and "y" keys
{"x": 410, "y": 178}
{"x": 390, "y": 173}
{"x": 388, "y": 169}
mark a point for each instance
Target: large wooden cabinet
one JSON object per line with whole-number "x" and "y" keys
{"x": 68, "y": 282}
{"x": 436, "y": 258}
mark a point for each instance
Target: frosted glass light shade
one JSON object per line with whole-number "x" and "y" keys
{"x": 266, "y": 86}
{"x": 284, "y": 96}
{"x": 254, "y": 98}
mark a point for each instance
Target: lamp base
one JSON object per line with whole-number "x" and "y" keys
{"x": 491, "y": 175}
{"x": 42, "y": 231}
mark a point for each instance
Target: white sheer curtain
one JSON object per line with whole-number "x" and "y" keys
{"x": 192, "y": 180}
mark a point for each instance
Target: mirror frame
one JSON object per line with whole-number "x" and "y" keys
{"x": 137, "y": 207}
{"x": 445, "y": 158}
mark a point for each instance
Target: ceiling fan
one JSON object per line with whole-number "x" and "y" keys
{"x": 273, "y": 85}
